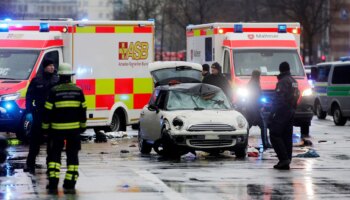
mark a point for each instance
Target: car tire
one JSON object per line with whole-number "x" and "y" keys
{"x": 241, "y": 152}
{"x": 24, "y": 130}
{"x": 144, "y": 147}
{"x": 319, "y": 112}
{"x": 338, "y": 118}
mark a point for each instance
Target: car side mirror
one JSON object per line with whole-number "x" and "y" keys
{"x": 313, "y": 73}
{"x": 153, "y": 108}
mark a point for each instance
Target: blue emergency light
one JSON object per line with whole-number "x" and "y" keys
{"x": 151, "y": 20}
{"x": 7, "y": 19}
{"x": 8, "y": 106}
{"x": 282, "y": 28}
{"x": 44, "y": 27}
{"x": 263, "y": 100}
{"x": 4, "y": 28}
{"x": 344, "y": 58}
{"x": 238, "y": 28}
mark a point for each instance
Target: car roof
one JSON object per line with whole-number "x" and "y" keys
{"x": 334, "y": 63}
{"x": 194, "y": 88}
{"x": 172, "y": 64}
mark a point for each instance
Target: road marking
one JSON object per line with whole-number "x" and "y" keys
{"x": 167, "y": 191}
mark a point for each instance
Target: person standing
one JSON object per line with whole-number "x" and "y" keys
{"x": 37, "y": 93}
{"x": 254, "y": 108}
{"x": 217, "y": 79}
{"x": 65, "y": 120}
{"x": 205, "y": 70}
{"x": 282, "y": 114}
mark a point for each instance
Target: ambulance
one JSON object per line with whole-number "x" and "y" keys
{"x": 110, "y": 60}
{"x": 242, "y": 47}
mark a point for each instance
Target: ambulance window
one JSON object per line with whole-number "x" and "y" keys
{"x": 52, "y": 55}
{"x": 322, "y": 73}
{"x": 226, "y": 69}
{"x": 208, "y": 49}
{"x": 341, "y": 75}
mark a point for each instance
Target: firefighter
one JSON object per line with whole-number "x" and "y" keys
{"x": 282, "y": 114}
{"x": 65, "y": 120}
{"x": 36, "y": 96}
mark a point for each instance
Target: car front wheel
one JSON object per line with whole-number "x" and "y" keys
{"x": 241, "y": 152}
{"x": 319, "y": 112}
{"x": 144, "y": 147}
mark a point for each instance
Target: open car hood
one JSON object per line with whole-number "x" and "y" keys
{"x": 170, "y": 72}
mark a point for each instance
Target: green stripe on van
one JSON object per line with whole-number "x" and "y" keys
{"x": 338, "y": 91}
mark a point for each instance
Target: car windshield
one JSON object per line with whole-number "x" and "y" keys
{"x": 183, "y": 74}
{"x": 17, "y": 64}
{"x": 180, "y": 100}
{"x": 267, "y": 61}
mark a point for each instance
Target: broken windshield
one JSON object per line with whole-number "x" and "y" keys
{"x": 182, "y": 100}
{"x": 17, "y": 64}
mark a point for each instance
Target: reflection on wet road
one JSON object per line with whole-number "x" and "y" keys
{"x": 116, "y": 170}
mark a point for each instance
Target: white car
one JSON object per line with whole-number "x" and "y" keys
{"x": 183, "y": 117}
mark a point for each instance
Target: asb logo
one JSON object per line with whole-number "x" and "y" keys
{"x": 251, "y": 36}
{"x": 135, "y": 51}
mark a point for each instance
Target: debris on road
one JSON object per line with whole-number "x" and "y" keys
{"x": 309, "y": 154}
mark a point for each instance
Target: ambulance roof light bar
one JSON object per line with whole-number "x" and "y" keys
{"x": 44, "y": 27}
{"x": 238, "y": 28}
{"x": 282, "y": 28}
{"x": 4, "y": 28}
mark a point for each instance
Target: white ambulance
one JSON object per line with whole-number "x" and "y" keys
{"x": 242, "y": 47}
{"x": 110, "y": 59}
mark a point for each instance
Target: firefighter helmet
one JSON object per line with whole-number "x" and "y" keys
{"x": 65, "y": 69}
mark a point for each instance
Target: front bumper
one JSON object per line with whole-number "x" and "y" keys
{"x": 10, "y": 116}
{"x": 209, "y": 141}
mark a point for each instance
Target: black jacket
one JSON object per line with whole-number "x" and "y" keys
{"x": 65, "y": 109}
{"x": 219, "y": 81}
{"x": 286, "y": 94}
{"x": 38, "y": 91}
{"x": 253, "y": 103}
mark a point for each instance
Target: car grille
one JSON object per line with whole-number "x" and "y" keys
{"x": 209, "y": 143}
{"x": 211, "y": 127}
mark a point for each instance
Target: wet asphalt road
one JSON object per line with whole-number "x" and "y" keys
{"x": 107, "y": 173}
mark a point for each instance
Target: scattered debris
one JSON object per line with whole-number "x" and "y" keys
{"x": 252, "y": 152}
{"x": 342, "y": 157}
{"x": 103, "y": 152}
{"x": 124, "y": 151}
{"x": 309, "y": 154}
{"x": 189, "y": 156}
{"x": 320, "y": 141}
{"x": 133, "y": 145}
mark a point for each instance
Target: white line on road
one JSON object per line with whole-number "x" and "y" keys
{"x": 168, "y": 192}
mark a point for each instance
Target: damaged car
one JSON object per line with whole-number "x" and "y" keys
{"x": 185, "y": 115}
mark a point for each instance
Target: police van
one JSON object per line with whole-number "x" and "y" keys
{"x": 332, "y": 88}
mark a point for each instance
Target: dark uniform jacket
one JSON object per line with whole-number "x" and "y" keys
{"x": 65, "y": 110}
{"x": 286, "y": 96}
{"x": 253, "y": 103}
{"x": 38, "y": 91}
{"x": 219, "y": 81}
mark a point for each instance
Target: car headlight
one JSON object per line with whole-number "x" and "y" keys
{"x": 241, "y": 121}
{"x": 307, "y": 92}
{"x": 242, "y": 92}
{"x": 178, "y": 123}
{"x": 10, "y": 97}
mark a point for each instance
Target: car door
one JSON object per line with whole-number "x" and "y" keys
{"x": 150, "y": 120}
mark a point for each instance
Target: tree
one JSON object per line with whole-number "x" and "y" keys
{"x": 312, "y": 15}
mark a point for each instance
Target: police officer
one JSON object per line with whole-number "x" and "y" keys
{"x": 37, "y": 93}
{"x": 282, "y": 114}
{"x": 65, "y": 118}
